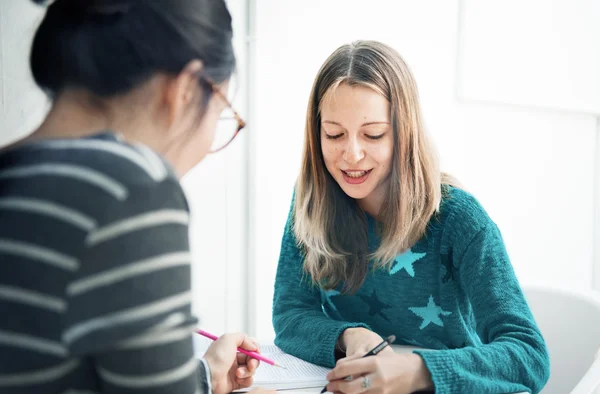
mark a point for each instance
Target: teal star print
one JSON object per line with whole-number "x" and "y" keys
{"x": 326, "y": 299}
{"x": 430, "y": 314}
{"x": 451, "y": 270}
{"x": 376, "y": 306}
{"x": 405, "y": 261}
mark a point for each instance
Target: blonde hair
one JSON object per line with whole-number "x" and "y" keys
{"x": 329, "y": 226}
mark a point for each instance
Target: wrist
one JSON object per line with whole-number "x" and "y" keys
{"x": 422, "y": 377}
{"x": 339, "y": 344}
{"x": 346, "y": 335}
{"x": 213, "y": 374}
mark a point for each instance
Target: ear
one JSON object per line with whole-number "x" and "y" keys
{"x": 181, "y": 90}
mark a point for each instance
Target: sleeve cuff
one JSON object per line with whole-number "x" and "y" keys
{"x": 208, "y": 376}
{"x": 327, "y": 352}
{"x": 442, "y": 374}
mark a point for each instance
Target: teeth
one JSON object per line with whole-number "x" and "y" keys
{"x": 355, "y": 174}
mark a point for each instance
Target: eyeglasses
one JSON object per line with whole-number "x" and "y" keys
{"x": 230, "y": 123}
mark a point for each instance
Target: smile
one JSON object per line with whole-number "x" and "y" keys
{"x": 356, "y": 177}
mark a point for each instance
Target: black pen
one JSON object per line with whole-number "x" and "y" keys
{"x": 388, "y": 341}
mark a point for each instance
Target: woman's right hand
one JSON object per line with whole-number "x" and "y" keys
{"x": 229, "y": 369}
{"x": 359, "y": 341}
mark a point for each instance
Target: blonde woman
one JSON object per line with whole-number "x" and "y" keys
{"x": 380, "y": 242}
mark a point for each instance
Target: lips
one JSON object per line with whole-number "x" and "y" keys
{"x": 356, "y": 173}
{"x": 355, "y": 177}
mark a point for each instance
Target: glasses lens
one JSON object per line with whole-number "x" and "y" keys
{"x": 227, "y": 126}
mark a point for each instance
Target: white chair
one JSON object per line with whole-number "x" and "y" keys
{"x": 570, "y": 323}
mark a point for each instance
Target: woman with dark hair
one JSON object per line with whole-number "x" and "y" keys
{"x": 95, "y": 263}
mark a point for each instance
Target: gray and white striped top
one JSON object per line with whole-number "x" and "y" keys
{"x": 94, "y": 271}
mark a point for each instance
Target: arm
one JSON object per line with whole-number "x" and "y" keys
{"x": 129, "y": 303}
{"x": 301, "y": 327}
{"x": 513, "y": 357}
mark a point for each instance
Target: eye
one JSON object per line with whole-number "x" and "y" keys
{"x": 375, "y": 137}
{"x": 332, "y": 133}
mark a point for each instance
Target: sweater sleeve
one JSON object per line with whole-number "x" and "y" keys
{"x": 513, "y": 356}
{"x": 301, "y": 327}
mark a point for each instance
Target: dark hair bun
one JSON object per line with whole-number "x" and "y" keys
{"x": 101, "y": 7}
{"x": 109, "y": 47}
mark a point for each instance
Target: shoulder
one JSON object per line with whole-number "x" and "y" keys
{"x": 105, "y": 155}
{"x": 130, "y": 164}
{"x": 93, "y": 175}
{"x": 461, "y": 216}
{"x": 460, "y": 206}
{"x": 146, "y": 180}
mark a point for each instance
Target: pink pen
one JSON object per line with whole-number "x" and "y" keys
{"x": 255, "y": 355}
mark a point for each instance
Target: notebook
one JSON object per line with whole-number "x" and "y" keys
{"x": 298, "y": 375}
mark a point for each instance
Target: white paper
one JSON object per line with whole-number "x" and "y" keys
{"x": 298, "y": 374}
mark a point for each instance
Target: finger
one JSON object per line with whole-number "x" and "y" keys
{"x": 338, "y": 386}
{"x": 352, "y": 386}
{"x": 252, "y": 364}
{"x": 242, "y": 373}
{"x": 358, "y": 367}
{"x": 249, "y": 344}
{"x": 242, "y": 359}
{"x": 255, "y": 341}
{"x": 359, "y": 352}
{"x": 245, "y": 382}
{"x": 348, "y": 358}
{"x": 387, "y": 350}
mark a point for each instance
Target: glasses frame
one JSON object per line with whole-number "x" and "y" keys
{"x": 240, "y": 122}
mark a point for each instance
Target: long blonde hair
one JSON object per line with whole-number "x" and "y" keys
{"x": 329, "y": 226}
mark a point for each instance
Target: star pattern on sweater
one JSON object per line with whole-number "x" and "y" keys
{"x": 451, "y": 270}
{"x": 328, "y": 301}
{"x": 376, "y": 306}
{"x": 405, "y": 261}
{"x": 430, "y": 314}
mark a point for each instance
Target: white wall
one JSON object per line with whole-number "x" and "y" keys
{"x": 511, "y": 93}
{"x": 22, "y": 104}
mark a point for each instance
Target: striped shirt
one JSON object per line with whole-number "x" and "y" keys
{"x": 94, "y": 271}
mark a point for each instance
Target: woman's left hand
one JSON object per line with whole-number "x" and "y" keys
{"x": 385, "y": 374}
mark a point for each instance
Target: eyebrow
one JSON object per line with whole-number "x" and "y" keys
{"x": 364, "y": 124}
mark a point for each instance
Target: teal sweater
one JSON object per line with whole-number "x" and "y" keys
{"x": 454, "y": 290}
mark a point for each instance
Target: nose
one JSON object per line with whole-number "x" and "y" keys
{"x": 354, "y": 151}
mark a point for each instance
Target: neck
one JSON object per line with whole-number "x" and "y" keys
{"x": 372, "y": 203}
{"x": 76, "y": 114}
